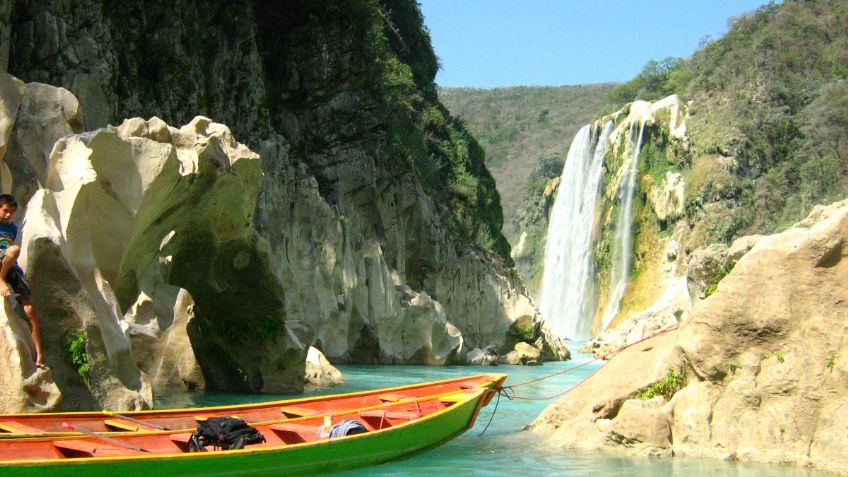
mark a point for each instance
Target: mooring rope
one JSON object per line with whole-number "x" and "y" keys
{"x": 509, "y": 391}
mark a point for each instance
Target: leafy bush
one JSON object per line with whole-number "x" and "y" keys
{"x": 673, "y": 381}
{"x": 73, "y": 351}
{"x": 657, "y": 80}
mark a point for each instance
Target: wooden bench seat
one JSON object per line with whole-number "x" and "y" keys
{"x": 389, "y": 414}
{"x": 293, "y": 433}
{"x": 123, "y": 425}
{"x": 74, "y": 448}
{"x": 16, "y": 427}
{"x": 295, "y": 411}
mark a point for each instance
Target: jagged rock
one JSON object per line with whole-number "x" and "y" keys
{"x": 667, "y": 198}
{"x": 553, "y": 348}
{"x": 163, "y": 351}
{"x": 156, "y": 221}
{"x": 523, "y": 353}
{"x": 765, "y": 360}
{"x": 342, "y": 219}
{"x": 36, "y": 116}
{"x": 480, "y": 357}
{"x": 708, "y": 265}
{"x": 23, "y": 387}
{"x": 319, "y": 372}
{"x": 671, "y": 308}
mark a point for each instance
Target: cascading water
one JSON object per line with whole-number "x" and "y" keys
{"x": 568, "y": 293}
{"x": 623, "y": 251}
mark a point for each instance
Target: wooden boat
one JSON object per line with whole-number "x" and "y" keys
{"x": 407, "y": 422}
{"x": 106, "y": 422}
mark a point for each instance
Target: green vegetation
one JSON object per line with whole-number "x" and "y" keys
{"x": 780, "y": 356}
{"x": 657, "y": 80}
{"x": 831, "y": 363}
{"x": 532, "y": 219}
{"x": 518, "y": 127}
{"x": 768, "y": 130}
{"x": 723, "y": 272}
{"x": 444, "y": 156}
{"x": 524, "y": 329}
{"x": 73, "y": 351}
{"x": 673, "y": 381}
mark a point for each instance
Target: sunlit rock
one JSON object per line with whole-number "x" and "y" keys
{"x": 757, "y": 372}
{"x": 319, "y": 372}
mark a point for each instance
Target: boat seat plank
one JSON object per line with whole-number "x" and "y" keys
{"x": 18, "y": 428}
{"x": 123, "y": 425}
{"x": 387, "y": 414}
{"x": 181, "y": 437}
{"x": 92, "y": 449}
{"x": 296, "y": 411}
{"x": 453, "y": 398}
{"x": 292, "y": 427}
{"x": 294, "y": 433}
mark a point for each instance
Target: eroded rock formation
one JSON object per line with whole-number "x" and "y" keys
{"x": 350, "y": 245}
{"x": 756, "y": 373}
{"x": 23, "y": 387}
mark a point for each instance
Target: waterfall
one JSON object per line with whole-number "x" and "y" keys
{"x": 623, "y": 234}
{"x": 568, "y": 300}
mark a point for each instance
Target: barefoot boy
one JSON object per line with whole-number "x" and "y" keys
{"x": 11, "y": 275}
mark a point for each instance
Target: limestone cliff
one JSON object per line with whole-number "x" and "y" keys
{"x": 375, "y": 232}
{"x": 756, "y": 373}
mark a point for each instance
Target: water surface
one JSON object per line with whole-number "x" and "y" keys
{"x": 504, "y": 449}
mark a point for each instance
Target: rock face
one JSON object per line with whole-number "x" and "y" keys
{"x": 522, "y": 354}
{"x": 319, "y": 372}
{"x": 757, "y": 372}
{"x": 375, "y": 232}
{"x": 132, "y": 218}
{"x": 23, "y": 387}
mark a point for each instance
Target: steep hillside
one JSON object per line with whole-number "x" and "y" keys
{"x": 519, "y": 128}
{"x": 758, "y": 139}
{"x": 375, "y": 234}
{"x": 753, "y": 140}
{"x": 767, "y": 127}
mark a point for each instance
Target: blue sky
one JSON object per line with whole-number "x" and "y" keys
{"x": 497, "y": 43}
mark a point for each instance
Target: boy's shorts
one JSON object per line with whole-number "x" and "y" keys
{"x": 15, "y": 279}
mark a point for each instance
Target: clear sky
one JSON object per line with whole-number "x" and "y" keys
{"x": 495, "y": 43}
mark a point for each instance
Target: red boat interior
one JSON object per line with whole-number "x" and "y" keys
{"x": 109, "y": 422}
{"x": 306, "y": 425}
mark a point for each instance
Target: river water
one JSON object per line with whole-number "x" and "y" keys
{"x": 505, "y": 449}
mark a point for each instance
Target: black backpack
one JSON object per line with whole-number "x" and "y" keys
{"x": 223, "y": 433}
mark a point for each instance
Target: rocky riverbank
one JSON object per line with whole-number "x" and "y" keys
{"x": 756, "y": 373}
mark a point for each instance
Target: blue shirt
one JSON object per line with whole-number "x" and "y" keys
{"x": 8, "y": 233}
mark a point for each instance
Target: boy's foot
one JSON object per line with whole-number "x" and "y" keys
{"x": 4, "y": 288}
{"x": 40, "y": 365}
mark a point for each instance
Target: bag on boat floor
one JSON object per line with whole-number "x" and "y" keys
{"x": 224, "y": 433}
{"x": 346, "y": 428}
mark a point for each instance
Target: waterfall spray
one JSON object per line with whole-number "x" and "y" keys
{"x": 622, "y": 256}
{"x": 568, "y": 299}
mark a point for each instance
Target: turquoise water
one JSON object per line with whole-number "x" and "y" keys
{"x": 504, "y": 449}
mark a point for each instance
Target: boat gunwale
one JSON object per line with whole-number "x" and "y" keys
{"x": 477, "y": 395}
{"x": 495, "y": 377}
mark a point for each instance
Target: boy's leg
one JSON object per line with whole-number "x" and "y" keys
{"x": 10, "y": 256}
{"x": 29, "y": 310}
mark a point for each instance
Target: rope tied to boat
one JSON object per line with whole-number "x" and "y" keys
{"x": 509, "y": 391}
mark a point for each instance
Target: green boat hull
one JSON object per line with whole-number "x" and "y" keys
{"x": 299, "y": 459}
